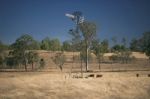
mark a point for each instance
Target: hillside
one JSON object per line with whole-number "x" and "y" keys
{"x": 140, "y": 63}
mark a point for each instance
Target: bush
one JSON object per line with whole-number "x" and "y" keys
{"x": 42, "y": 63}
{"x": 114, "y": 58}
{"x": 11, "y": 62}
{"x": 125, "y": 56}
{"x": 1, "y": 60}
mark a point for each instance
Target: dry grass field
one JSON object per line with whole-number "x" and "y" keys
{"x": 118, "y": 81}
{"x": 45, "y": 85}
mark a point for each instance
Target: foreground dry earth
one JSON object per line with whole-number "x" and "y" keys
{"x": 41, "y": 85}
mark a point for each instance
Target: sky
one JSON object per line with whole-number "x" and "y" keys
{"x": 46, "y": 18}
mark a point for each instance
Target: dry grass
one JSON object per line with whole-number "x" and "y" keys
{"x": 57, "y": 85}
{"x": 37, "y": 85}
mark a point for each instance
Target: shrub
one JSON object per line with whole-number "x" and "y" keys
{"x": 114, "y": 58}
{"x": 59, "y": 60}
{"x": 42, "y": 63}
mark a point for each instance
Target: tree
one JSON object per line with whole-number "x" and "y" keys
{"x": 55, "y": 45}
{"x": 142, "y": 44}
{"x": 148, "y": 53}
{"x": 114, "y": 40}
{"x": 59, "y": 60}
{"x": 11, "y": 62}
{"x": 124, "y": 41}
{"x": 125, "y": 56}
{"x": 75, "y": 33}
{"x": 105, "y": 45}
{"x": 118, "y": 48}
{"x": 88, "y": 30}
{"x": 125, "y": 52}
{"x": 3, "y": 53}
{"x": 45, "y": 44}
{"x": 133, "y": 44}
{"x": 1, "y": 61}
{"x": 35, "y": 45}
{"x": 99, "y": 49}
{"x": 76, "y": 40}
{"x": 20, "y": 48}
{"x": 42, "y": 63}
{"x": 145, "y": 39}
{"x": 3, "y": 47}
{"x": 122, "y": 53}
{"x": 87, "y": 34}
{"x": 66, "y": 46}
{"x": 32, "y": 57}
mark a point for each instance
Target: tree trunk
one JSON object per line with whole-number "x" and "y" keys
{"x": 32, "y": 66}
{"x": 25, "y": 62}
{"x": 25, "y": 66}
{"x": 99, "y": 64}
{"x": 73, "y": 60}
{"x": 87, "y": 57}
{"x": 61, "y": 68}
{"x": 81, "y": 69}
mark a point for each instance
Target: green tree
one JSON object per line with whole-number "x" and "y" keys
{"x": 35, "y": 45}
{"x": 142, "y": 44}
{"x": 118, "y": 48}
{"x": 105, "y": 45}
{"x": 3, "y": 47}
{"x": 45, "y": 44}
{"x": 55, "y": 45}
{"x": 66, "y": 46}
{"x": 3, "y": 53}
{"x": 145, "y": 39}
{"x": 1, "y": 61}
{"x": 122, "y": 53}
{"x": 11, "y": 62}
{"x": 32, "y": 57}
{"x": 135, "y": 45}
{"x": 20, "y": 48}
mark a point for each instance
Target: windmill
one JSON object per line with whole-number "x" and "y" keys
{"x": 76, "y": 16}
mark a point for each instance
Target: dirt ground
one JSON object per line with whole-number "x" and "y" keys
{"x": 46, "y": 85}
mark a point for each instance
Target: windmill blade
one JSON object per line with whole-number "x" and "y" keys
{"x": 70, "y": 16}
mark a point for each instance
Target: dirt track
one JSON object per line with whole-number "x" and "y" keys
{"x": 37, "y": 85}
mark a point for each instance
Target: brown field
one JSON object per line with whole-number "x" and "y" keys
{"x": 118, "y": 81}
{"x": 45, "y": 85}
